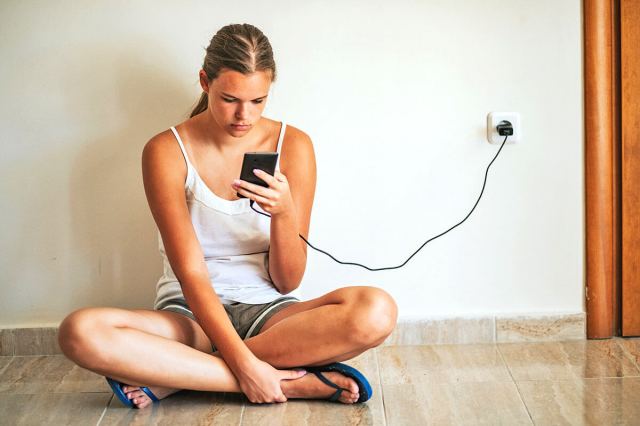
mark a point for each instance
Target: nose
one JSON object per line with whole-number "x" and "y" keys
{"x": 241, "y": 111}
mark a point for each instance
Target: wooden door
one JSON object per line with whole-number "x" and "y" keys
{"x": 612, "y": 166}
{"x": 630, "y": 164}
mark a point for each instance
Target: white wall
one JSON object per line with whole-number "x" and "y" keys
{"x": 395, "y": 97}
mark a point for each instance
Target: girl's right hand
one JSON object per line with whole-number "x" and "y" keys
{"x": 260, "y": 382}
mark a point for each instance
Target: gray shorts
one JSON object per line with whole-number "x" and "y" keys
{"x": 246, "y": 318}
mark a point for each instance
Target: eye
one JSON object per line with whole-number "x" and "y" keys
{"x": 258, "y": 101}
{"x": 228, "y": 100}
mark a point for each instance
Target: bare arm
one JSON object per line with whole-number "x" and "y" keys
{"x": 164, "y": 173}
{"x": 289, "y": 198}
{"x": 288, "y": 252}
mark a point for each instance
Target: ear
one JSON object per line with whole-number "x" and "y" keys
{"x": 204, "y": 83}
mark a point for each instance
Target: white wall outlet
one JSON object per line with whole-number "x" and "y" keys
{"x": 494, "y": 118}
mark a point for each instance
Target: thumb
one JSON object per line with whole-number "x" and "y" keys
{"x": 292, "y": 374}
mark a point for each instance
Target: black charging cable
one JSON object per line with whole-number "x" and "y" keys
{"x": 504, "y": 129}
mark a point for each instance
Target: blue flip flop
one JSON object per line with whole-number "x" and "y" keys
{"x": 344, "y": 369}
{"x": 116, "y": 386}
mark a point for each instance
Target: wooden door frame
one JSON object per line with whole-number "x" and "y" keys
{"x": 601, "y": 19}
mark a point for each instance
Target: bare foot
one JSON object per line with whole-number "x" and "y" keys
{"x": 309, "y": 386}
{"x": 141, "y": 399}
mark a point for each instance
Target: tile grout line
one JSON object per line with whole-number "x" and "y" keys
{"x": 105, "y": 410}
{"x": 577, "y": 379}
{"x": 495, "y": 330}
{"x": 384, "y": 410}
{"x": 7, "y": 366}
{"x": 515, "y": 384}
{"x": 34, "y": 355}
{"x": 241, "y": 414}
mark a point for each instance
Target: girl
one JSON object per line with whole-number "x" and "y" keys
{"x": 230, "y": 274}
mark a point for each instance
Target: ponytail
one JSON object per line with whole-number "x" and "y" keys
{"x": 203, "y": 103}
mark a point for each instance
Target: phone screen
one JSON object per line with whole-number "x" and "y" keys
{"x": 265, "y": 161}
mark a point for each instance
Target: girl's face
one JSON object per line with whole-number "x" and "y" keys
{"x": 236, "y": 100}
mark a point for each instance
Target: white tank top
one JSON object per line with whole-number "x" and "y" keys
{"x": 234, "y": 240}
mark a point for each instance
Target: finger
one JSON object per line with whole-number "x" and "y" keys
{"x": 280, "y": 177}
{"x": 257, "y": 198}
{"x": 281, "y": 398}
{"x": 292, "y": 374}
{"x": 264, "y": 176}
{"x": 256, "y": 189}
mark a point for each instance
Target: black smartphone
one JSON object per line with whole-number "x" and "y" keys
{"x": 265, "y": 161}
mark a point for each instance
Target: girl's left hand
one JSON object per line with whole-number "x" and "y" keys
{"x": 275, "y": 200}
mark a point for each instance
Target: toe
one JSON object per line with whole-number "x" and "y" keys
{"x": 141, "y": 396}
{"x": 136, "y": 394}
{"x": 140, "y": 401}
{"x": 350, "y": 393}
{"x": 346, "y": 397}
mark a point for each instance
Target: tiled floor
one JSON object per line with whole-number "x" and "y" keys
{"x": 594, "y": 382}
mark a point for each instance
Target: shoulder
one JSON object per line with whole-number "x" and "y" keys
{"x": 296, "y": 143}
{"x": 298, "y": 160}
{"x": 294, "y": 133}
{"x": 162, "y": 152}
{"x": 163, "y": 141}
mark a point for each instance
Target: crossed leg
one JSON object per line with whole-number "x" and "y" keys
{"x": 169, "y": 351}
{"x": 335, "y": 327}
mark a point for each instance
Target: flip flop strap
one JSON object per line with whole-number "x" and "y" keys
{"x": 328, "y": 382}
{"x": 117, "y": 390}
{"x": 149, "y": 393}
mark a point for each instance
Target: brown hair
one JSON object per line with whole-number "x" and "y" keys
{"x": 239, "y": 47}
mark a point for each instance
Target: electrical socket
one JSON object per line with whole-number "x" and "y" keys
{"x": 494, "y": 118}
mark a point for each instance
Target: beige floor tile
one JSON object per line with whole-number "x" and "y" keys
{"x": 441, "y": 364}
{"x": 443, "y": 331}
{"x": 4, "y": 362}
{"x": 52, "y": 408}
{"x": 567, "y": 360}
{"x": 49, "y": 373}
{"x": 36, "y": 341}
{"x": 7, "y": 342}
{"x": 480, "y": 403}
{"x": 632, "y": 347}
{"x": 182, "y": 408}
{"x": 608, "y": 401}
{"x": 540, "y": 328}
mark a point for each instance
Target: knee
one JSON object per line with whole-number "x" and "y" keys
{"x": 77, "y": 335}
{"x": 373, "y": 316}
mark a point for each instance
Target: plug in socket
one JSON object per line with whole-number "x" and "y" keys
{"x": 494, "y": 118}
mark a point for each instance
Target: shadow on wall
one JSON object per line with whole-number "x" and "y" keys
{"x": 131, "y": 100}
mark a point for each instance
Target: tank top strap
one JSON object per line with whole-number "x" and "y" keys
{"x": 184, "y": 151}
{"x": 283, "y": 128}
